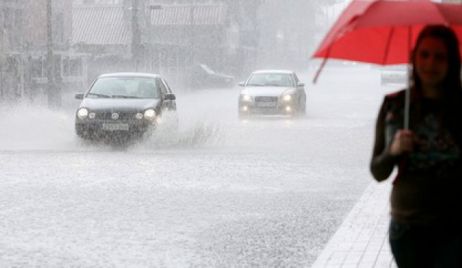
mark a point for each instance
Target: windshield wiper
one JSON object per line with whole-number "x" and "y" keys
{"x": 99, "y": 95}
{"x": 125, "y": 97}
{"x": 273, "y": 85}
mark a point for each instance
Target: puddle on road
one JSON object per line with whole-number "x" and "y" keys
{"x": 28, "y": 127}
{"x": 197, "y": 135}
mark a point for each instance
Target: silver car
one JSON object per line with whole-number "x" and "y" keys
{"x": 278, "y": 92}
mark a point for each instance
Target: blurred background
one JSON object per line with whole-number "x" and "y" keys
{"x": 53, "y": 48}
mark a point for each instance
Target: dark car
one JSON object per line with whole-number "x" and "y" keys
{"x": 204, "y": 77}
{"x": 276, "y": 92}
{"x": 123, "y": 105}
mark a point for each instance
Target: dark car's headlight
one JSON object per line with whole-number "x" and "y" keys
{"x": 82, "y": 113}
{"x": 150, "y": 114}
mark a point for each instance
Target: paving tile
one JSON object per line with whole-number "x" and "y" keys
{"x": 353, "y": 257}
{"x": 359, "y": 246}
{"x": 362, "y": 240}
{"x": 337, "y": 257}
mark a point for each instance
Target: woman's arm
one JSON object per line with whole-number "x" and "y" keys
{"x": 382, "y": 162}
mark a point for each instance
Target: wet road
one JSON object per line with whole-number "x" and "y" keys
{"x": 219, "y": 193}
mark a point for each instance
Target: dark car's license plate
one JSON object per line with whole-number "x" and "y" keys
{"x": 114, "y": 127}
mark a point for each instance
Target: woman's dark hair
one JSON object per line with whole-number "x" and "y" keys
{"x": 452, "y": 88}
{"x": 452, "y": 82}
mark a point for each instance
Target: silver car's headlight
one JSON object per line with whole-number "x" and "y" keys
{"x": 287, "y": 98}
{"x": 246, "y": 98}
{"x": 82, "y": 113}
{"x": 150, "y": 114}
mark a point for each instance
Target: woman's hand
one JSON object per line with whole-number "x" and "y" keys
{"x": 403, "y": 142}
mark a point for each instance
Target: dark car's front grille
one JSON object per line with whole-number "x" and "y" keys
{"x": 122, "y": 116}
{"x": 266, "y": 99}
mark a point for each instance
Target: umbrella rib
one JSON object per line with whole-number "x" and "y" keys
{"x": 387, "y": 46}
{"x": 318, "y": 72}
{"x": 337, "y": 36}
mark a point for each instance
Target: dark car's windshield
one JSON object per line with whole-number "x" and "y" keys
{"x": 125, "y": 87}
{"x": 270, "y": 79}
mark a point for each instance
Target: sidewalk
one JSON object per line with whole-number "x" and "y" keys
{"x": 362, "y": 239}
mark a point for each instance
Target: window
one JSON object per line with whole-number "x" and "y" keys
{"x": 130, "y": 87}
{"x": 58, "y": 30}
{"x": 169, "y": 90}
{"x": 72, "y": 66}
{"x": 57, "y": 65}
{"x": 162, "y": 87}
{"x": 296, "y": 79}
{"x": 15, "y": 28}
{"x": 105, "y": 2}
{"x": 270, "y": 79}
{"x": 75, "y": 67}
{"x": 38, "y": 67}
{"x": 66, "y": 69}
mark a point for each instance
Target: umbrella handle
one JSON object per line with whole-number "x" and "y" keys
{"x": 407, "y": 101}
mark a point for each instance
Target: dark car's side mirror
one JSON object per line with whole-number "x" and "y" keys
{"x": 241, "y": 84}
{"x": 169, "y": 96}
{"x": 79, "y": 96}
{"x": 300, "y": 84}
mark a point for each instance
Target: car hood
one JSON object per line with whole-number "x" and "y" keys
{"x": 119, "y": 104}
{"x": 266, "y": 91}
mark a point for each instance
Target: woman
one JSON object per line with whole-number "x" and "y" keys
{"x": 426, "y": 199}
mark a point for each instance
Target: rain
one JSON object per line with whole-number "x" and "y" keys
{"x": 204, "y": 187}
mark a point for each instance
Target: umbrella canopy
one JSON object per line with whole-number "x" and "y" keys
{"x": 384, "y": 31}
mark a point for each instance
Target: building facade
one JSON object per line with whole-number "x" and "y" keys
{"x": 11, "y": 40}
{"x": 24, "y": 47}
{"x": 166, "y": 37}
{"x": 69, "y": 67}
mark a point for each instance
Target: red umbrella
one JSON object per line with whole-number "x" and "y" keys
{"x": 384, "y": 31}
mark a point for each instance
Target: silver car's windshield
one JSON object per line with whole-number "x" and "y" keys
{"x": 270, "y": 79}
{"x": 125, "y": 87}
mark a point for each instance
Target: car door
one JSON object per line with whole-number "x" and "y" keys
{"x": 300, "y": 88}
